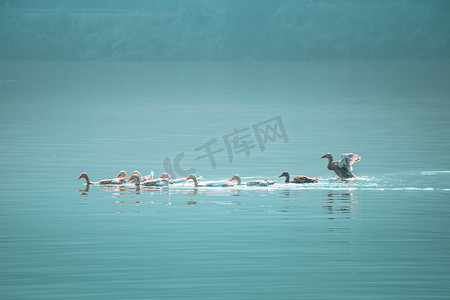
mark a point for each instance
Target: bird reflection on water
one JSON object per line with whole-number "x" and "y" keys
{"x": 341, "y": 202}
{"x": 84, "y": 193}
{"x": 337, "y": 201}
{"x": 117, "y": 190}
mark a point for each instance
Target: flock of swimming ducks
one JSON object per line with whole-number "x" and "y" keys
{"x": 343, "y": 168}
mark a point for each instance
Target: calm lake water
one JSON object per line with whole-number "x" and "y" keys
{"x": 383, "y": 236}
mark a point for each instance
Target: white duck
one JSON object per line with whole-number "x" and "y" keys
{"x": 103, "y": 181}
{"x": 177, "y": 180}
{"x": 146, "y": 177}
{"x": 251, "y": 182}
{"x": 342, "y": 168}
{"x": 121, "y": 178}
{"x": 136, "y": 177}
{"x": 223, "y": 183}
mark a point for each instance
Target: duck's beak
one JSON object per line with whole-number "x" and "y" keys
{"x": 79, "y": 177}
{"x": 280, "y": 176}
{"x": 231, "y": 179}
{"x": 186, "y": 179}
{"x": 324, "y": 156}
{"x": 118, "y": 176}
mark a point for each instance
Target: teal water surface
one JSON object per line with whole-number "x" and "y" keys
{"x": 382, "y": 236}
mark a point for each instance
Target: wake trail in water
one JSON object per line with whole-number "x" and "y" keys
{"x": 434, "y": 172}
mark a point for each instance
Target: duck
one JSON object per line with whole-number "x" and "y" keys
{"x": 103, "y": 181}
{"x": 223, "y": 183}
{"x": 252, "y": 182}
{"x": 343, "y": 168}
{"x": 136, "y": 177}
{"x": 146, "y": 177}
{"x": 167, "y": 177}
{"x": 177, "y": 180}
{"x": 298, "y": 179}
{"x": 121, "y": 178}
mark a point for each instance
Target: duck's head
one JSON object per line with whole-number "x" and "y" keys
{"x": 136, "y": 173}
{"x": 135, "y": 177}
{"x": 235, "y": 177}
{"x": 83, "y": 175}
{"x": 122, "y": 174}
{"x": 192, "y": 176}
{"x": 328, "y": 155}
{"x": 165, "y": 176}
{"x": 284, "y": 174}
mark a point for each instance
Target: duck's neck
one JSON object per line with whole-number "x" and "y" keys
{"x": 88, "y": 181}
{"x": 330, "y": 160}
{"x": 239, "y": 181}
{"x": 121, "y": 178}
{"x": 195, "y": 181}
{"x": 138, "y": 180}
{"x": 287, "y": 178}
